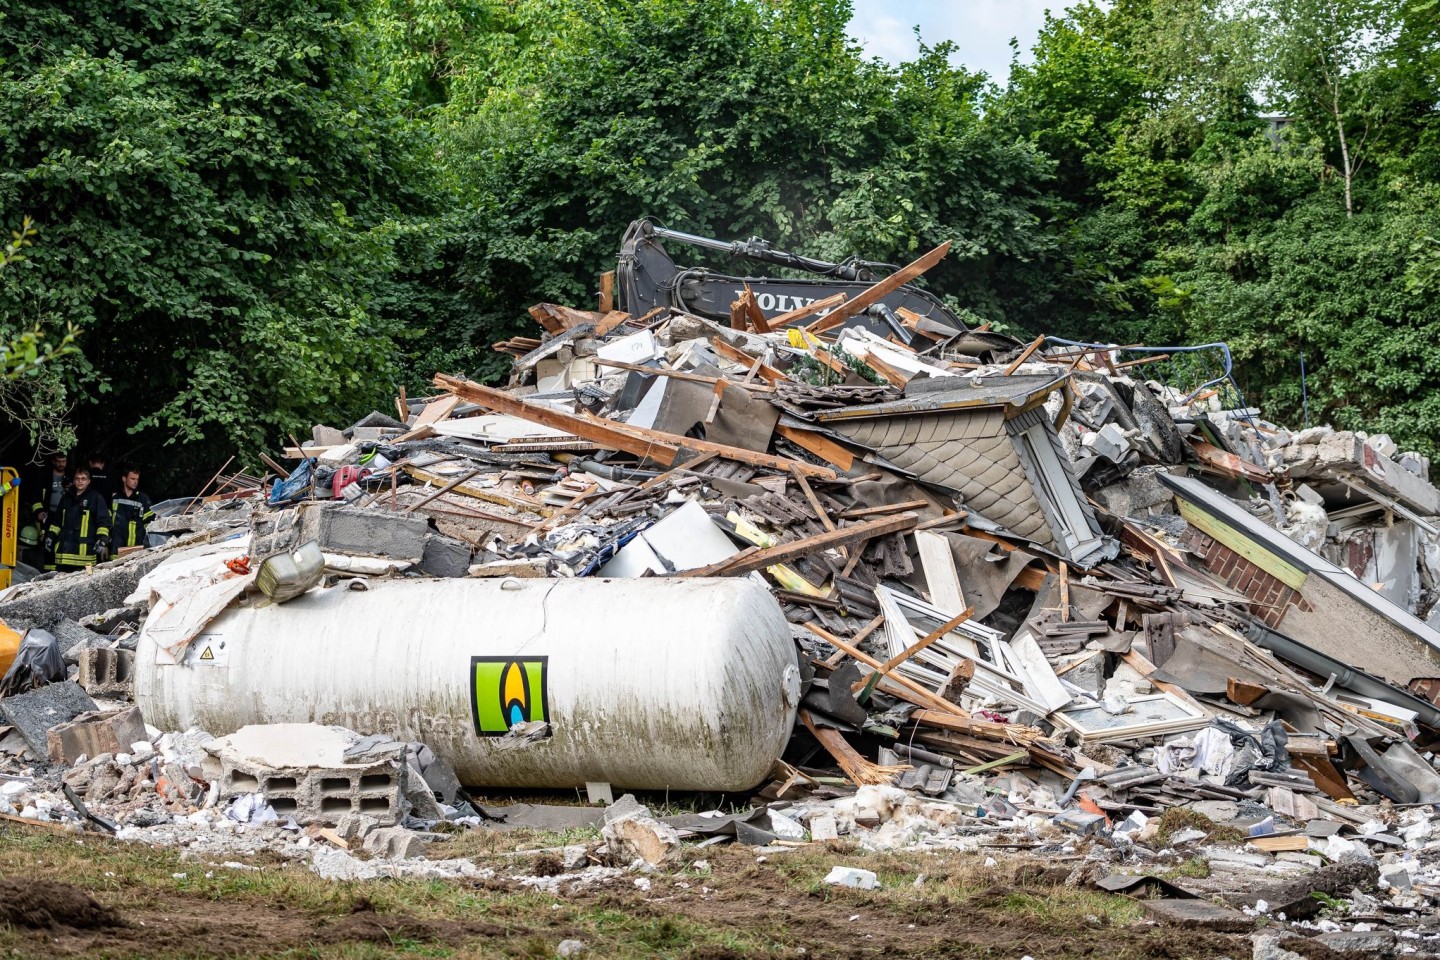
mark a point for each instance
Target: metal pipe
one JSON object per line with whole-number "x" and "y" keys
{"x": 1345, "y": 675}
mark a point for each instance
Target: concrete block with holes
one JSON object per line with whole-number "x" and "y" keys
{"x": 105, "y": 672}
{"x": 314, "y": 773}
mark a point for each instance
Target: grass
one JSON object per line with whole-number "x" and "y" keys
{"x": 953, "y": 880}
{"x": 1177, "y": 819}
{"x": 737, "y": 907}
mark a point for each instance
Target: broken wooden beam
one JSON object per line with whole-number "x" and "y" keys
{"x": 795, "y": 549}
{"x": 597, "y": 431}
{"x": 875, "y": 293}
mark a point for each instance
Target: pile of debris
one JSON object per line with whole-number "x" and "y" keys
{"x": 1023, "y": 597}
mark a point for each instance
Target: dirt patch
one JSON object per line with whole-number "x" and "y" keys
{"x": 363, "y": 924}
{"x": 47, "y": 905}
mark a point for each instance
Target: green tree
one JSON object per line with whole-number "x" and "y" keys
{"x": 228, "y": 204}
{"x": 1325, "y": 59}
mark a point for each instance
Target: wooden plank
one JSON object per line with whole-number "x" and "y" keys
{"x": 738, "y": 319}
{"x": 562, "y": 317}
{"x": 820, "y": 513}
{"x": 856, "y": 767}
{"x": 610, "y": 321}
{"x": 795, "y": 549}
{"x": 913, "y": 692}
{"x": 914, "y": 648}
{"x": 284, "y": 474}
{"x": 607, "y": 291}
{"x": 662, "y": 451}
{"x": 735, "y": 355}
{"x": 1024, "y": 354}
{"x": 1145, "y": 668}
{"x": 548, "y": 323}
{"x": 884, "y": 508}
{"x": 985, "y": 729}
{"x": 1064, "y": 592}
{"x": 443, "y": 490}
{"x": 941, "y": 577}
{"x": 514, "y": 503}
{"x": 435, "y": 411}
{"x": 754, "y": 458}
{"x": 895, "y": 378}
{"x": 820, "y": 445}
{"x": 1031, "y": 578}
{"x": 1228, "y": 464}
{"x": 1274, "y": 844}
{"x": 891, "y": 283}
{"x": 1287, "y": 574}
{"x": 683, "y": 375}
{"x": 810, "y": 309}
{"x": 753, "y": 314}
{"x": 716, "y": 569}
{"x": 1003, "y": 761}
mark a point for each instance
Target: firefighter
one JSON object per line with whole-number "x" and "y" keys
{"x": 45, "y": 492}
{"x": 47, "y": 488}
{"x": 130, "y": 511}
{"x": 100, "y": 480}
{"x": 79, "y": 531}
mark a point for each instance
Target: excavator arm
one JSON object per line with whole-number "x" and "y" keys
{"x": 646, "y": 277}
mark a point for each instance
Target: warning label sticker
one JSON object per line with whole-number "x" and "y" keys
{"x": 208, "y": 650}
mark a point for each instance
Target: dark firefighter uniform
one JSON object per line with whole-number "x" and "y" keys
{"x": 129, "y": 517}
{"x": 80, "y": 530}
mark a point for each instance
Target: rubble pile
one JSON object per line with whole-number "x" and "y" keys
{"x": 1041, "y": 597}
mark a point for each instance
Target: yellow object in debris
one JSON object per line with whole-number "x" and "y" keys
{"x": 786, "y": 576}
{"x": 9, "y": 647}
{"x": 801, "y": 340}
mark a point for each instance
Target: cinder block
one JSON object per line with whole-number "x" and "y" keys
{"x": 105, "y": 672}
{"x": 360, "y": 532}
{"x": 395, "y": 843}
{"x": 319, "y": 794}
{"x": 445, "y": 557}
{"x": 92, "y": 734}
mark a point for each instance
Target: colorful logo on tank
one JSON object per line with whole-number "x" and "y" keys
{"x": 505, "y": 691}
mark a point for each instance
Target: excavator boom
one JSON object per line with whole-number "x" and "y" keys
{"x": 646, "y": 277}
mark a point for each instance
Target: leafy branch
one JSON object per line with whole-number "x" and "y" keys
{"x": 26, "y": 351}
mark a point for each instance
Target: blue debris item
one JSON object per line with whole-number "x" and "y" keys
{"x": 297, "y": 487}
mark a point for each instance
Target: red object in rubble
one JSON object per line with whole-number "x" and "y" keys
{"x": 240, "y": 565}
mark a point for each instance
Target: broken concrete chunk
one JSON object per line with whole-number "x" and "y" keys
{"x": 445, "y": 557}
{"x": 91, "y": 734}
{"x": 633, "y": 834}
{"x": 364, "y": 533}
{"x": 528, "y": 568}
{"x": 394, "y": 843}
{"x": 355, "y": 826}
{"x": 33, "y": 714}
{"x": 852, "y": 877}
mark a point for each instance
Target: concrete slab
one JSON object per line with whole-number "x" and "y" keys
{"x": 1198, "y": 914}
{"x": 33, "y": 714}
{"x": 74, "y": 596}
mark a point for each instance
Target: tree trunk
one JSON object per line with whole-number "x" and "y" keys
{"x": 1344, "y": 153}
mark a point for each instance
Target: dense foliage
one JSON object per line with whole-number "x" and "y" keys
{"x": 261, "y": 213}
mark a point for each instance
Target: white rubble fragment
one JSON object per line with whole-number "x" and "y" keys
{"x": 852, "y": 877}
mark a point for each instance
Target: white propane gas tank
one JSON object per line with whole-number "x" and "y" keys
{"x": 646, "y": 683}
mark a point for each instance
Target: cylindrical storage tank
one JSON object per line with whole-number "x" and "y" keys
{"x": 646, "y": 683}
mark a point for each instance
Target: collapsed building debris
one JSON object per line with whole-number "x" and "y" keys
{"x": 942, "y": 590}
